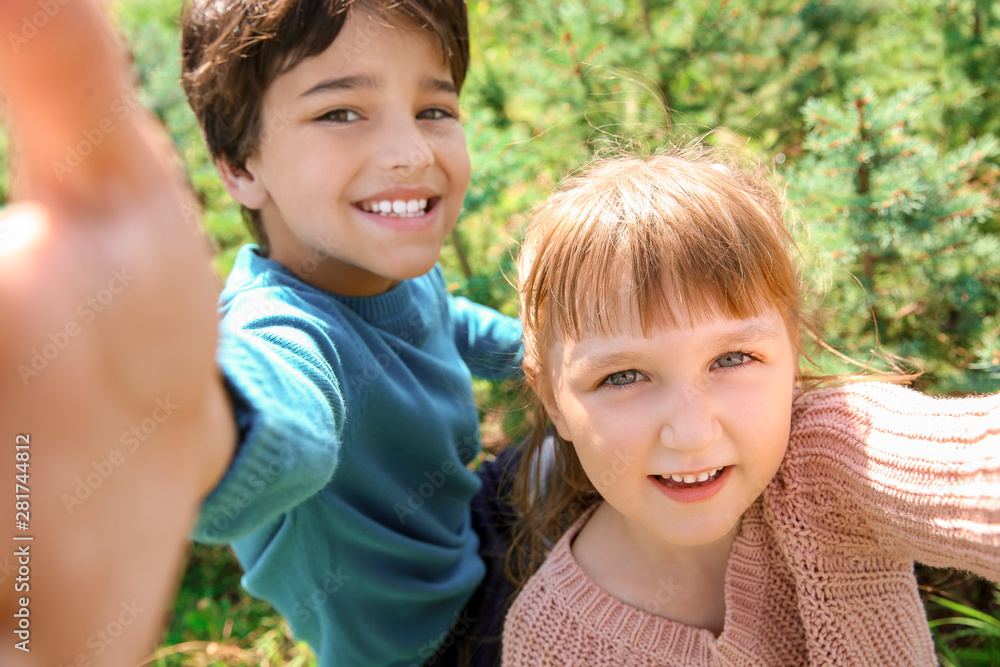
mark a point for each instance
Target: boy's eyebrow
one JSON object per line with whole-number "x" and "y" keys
{"x": 432, "y": 83}
{"x": 366, "y": 81}
{"x": 352, "y": 82}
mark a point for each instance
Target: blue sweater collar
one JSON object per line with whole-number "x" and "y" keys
{"x": 383, "y": 308}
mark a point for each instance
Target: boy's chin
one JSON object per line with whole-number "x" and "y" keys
{"x": 410, "y": 268}
{"x": 410, "y": 273}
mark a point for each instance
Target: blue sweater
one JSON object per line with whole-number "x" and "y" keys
{"x": 347, "y": 502}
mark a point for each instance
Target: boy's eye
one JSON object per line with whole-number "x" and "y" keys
{"x": 340, "y": 116}
{"x": 732, "y": 360}
{"x": 435, "y": 114}
{"x": 622, "y": 378}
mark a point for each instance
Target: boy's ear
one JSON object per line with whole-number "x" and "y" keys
{"x": 242, "y": 184}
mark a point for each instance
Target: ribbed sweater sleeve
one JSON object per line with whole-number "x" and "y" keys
{"x": 922, "y": 473}
{"x": 489, "y": 342}
{"x": 281, "y": 373}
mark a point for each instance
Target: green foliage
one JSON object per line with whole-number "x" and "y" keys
{"x": 963, "y": 619}
{"x": 879, "y": 117}
{"x": 216, "y": 624}
{"x": 910, "y": 231}
{"x": 151, "y": 29}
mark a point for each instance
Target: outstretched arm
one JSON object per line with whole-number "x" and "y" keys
{"x": 921, "y": 474}
{"x": 114, "y": 422}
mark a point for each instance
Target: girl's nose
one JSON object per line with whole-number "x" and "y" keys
{"x": 690, "y": 421}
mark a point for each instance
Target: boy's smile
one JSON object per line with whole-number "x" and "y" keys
{"x": 679, "y": 431}
{"x": 362, "y": 166}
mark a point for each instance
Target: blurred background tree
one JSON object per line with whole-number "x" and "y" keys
{"x": 879, "y": 118}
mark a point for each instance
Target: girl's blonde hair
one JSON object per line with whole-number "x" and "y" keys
{"x": 631, "y": 243}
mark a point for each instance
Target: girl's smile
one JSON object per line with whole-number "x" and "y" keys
{"x": 679, "y": 430}
{"x": 690, "y": 488}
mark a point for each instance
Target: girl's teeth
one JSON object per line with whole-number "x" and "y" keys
{"x": 691, "y": 479}
{"x": 396, "y": 208}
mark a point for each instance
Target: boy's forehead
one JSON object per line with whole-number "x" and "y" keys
{"x": 359, "y": 50}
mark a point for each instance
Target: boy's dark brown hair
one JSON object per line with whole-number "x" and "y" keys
{"x": 232, "y": 50}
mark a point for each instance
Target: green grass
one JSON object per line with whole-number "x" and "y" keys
{"x": 215, "y": 623}
{"x": 963, "y": 613}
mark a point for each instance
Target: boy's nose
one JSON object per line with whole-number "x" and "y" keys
{"x": 407, "y": 148}
{"x": 689, "y": 421}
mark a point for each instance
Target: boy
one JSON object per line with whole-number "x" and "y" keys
{"x": 335, "y": 125}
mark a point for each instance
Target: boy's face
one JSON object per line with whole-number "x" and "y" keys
{"x": 679, "y": 431}
{"x": 361, "y": 166}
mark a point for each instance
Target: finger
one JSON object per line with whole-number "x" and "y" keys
{"x": 63, "y": 74}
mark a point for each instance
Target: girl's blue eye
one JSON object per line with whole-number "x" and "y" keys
{"x": 731, "y": 360}
{"x": 622, "y": 378}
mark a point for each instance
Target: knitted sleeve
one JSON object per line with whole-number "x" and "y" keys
{"x": 489, "y": 342}
{"x": 281, "y": 369}
{"x": 922, "y": 474}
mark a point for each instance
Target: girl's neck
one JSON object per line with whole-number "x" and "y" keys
{"x": 682, "y": 583}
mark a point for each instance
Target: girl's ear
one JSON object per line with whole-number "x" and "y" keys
{"x": 547, "y": 396}
{"x": 242, "y": 183}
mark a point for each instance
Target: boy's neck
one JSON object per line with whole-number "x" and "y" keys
{"x": 332, "y": 276}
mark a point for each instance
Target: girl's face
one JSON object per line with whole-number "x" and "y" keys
{"x": 679, "y": 431}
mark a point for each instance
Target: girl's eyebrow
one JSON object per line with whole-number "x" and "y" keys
{"x": 600, "y": 361}
{"x": 750, "y": 332}
{"x": 747, "y": 332}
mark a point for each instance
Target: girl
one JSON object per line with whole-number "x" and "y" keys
{"x": 722, "y": 509}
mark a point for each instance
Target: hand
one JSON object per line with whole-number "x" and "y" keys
{"x": 107, "y": 339}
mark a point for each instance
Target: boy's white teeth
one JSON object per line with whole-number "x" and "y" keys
{"x": 399, "y": 208}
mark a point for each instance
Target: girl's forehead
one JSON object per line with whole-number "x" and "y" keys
{"x": 710, "y": 334}
{"x": 700, "y": 312}
{"x": 624, "y": 312}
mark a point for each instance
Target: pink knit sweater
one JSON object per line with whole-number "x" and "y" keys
{"x": 875, "y": 478}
